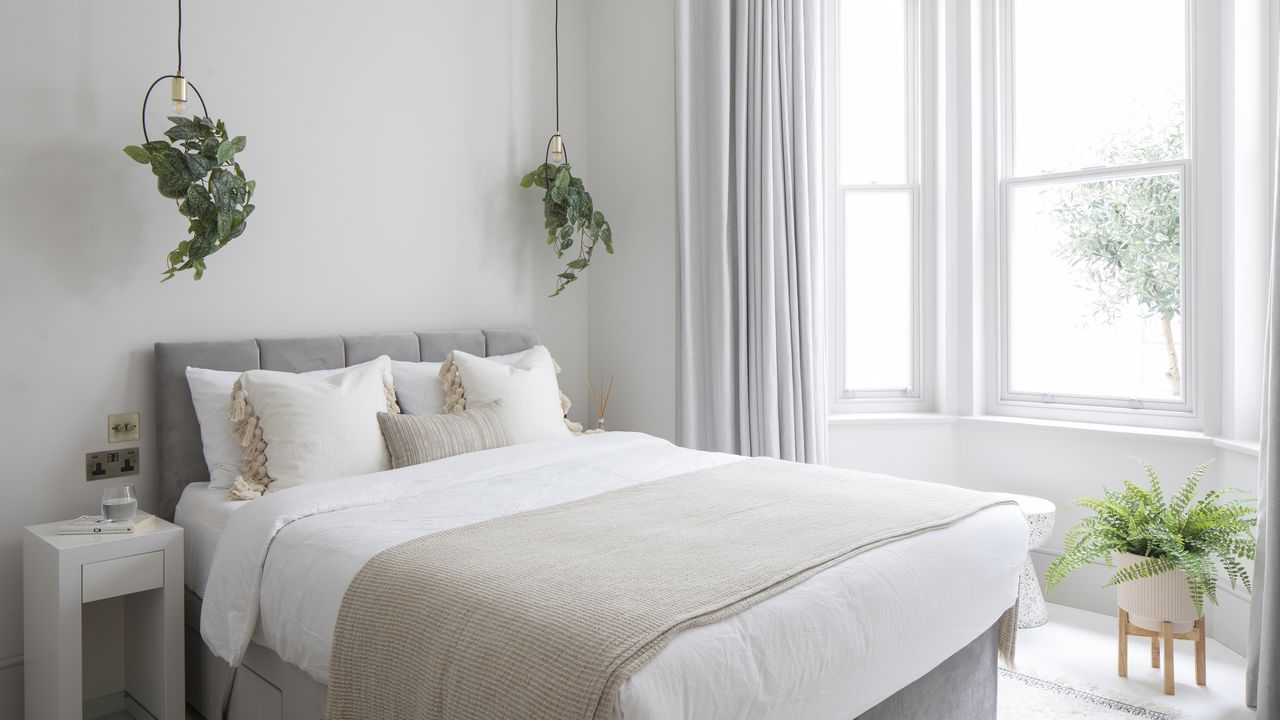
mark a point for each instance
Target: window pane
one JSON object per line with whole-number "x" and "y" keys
{"x": 873, "y": 91}
{"x": 879, "y": 287}
{"x": 1095, "y": 288}
{"x": 1097, "y": 83}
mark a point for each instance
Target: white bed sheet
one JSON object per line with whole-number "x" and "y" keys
{"x": 831, "y": 647}
{"x": 203, "y": 512}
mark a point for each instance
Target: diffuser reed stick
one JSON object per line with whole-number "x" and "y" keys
{"x": 600, "y": 400}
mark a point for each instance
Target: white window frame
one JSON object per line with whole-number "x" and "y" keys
{"x": 1199, "y": 210}
{"x": 921, "y": 184}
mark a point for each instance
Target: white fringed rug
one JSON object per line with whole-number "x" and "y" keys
{"x": 1023, "y": 697}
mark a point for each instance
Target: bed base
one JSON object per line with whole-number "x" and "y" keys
{"x": 265, "y": 687}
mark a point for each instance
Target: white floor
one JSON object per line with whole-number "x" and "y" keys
{"x": 1078, "y": 648}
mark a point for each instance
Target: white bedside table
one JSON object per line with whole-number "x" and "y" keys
{"x": 130, "y": 587}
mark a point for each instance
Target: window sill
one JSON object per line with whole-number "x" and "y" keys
{"x": 1249, "y": 449}
{"x": 905, "y": 418}
{"x": 1121, "y": 430}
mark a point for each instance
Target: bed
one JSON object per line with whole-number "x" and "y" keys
{"x": 902, "y": 630}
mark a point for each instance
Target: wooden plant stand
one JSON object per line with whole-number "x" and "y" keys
{"x": 1167, "y": 636}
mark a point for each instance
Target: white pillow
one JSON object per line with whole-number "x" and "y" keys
{"x": 526, "y": 389}
{"x": 211, "y": 395}
{"x": 418, "y": 387}
{"x": 319, "y": 428}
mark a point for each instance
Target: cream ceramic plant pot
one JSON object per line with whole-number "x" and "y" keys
{"x": 1153, "y": 600}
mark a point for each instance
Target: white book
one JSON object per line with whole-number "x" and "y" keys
{"x": 96, "y": 525}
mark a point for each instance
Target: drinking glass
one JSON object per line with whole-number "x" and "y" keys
{"x": 119, "y": 503}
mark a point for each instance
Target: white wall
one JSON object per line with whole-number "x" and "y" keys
{"x": 387, "y": 139}
{"x": 631, "y": 120}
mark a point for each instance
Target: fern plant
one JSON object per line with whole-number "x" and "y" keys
{"x": 1198, "y": 536}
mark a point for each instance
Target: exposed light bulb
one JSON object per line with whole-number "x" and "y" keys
{"x": 557, "y": 149}
{"x": 178, "y": 88}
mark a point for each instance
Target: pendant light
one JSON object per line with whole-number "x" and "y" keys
{"x": 178, "y": 85}
{"x": 557, "y": 153}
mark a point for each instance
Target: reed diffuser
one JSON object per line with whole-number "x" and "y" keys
{"x": 599, "y": 400}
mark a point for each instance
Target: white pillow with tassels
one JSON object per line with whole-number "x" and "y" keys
{"x": 296, "y": 429}
{"x": 527, "y": 390}
{"x": 211, "y": 396}
{"x": 455, "y": 396}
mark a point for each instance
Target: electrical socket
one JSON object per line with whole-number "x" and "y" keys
{"x": 106, "y": 464}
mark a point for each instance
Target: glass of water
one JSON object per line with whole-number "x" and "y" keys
{"x": 119, "y": 503}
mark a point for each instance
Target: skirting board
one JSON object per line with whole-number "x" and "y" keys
{"x": 1227, "y": 622}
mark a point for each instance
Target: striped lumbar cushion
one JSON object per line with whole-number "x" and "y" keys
{"x": 416, "y": 439}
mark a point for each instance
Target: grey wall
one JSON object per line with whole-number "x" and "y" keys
{"x": 631, "y": 120}
{"x": 387, "y": 138}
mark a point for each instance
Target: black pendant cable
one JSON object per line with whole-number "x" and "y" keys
{"x": 178, "y": 86}
{"x": 557, "y": 153}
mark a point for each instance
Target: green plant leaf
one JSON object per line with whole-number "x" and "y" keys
{"x": 198, "y": 164}
{"x": 139, "y": 154}
{"x": 185, "y": 131}
{"x": 226, "y": 151}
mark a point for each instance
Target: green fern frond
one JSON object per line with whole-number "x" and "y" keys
{"x": 1188, "y": 490}
{"x": 1198, "y": 536}
{"x": 1145, "y": 568}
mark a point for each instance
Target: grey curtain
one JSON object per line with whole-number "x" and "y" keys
{"x": 1262, "y": 691}
{"x": 750, "y": 227}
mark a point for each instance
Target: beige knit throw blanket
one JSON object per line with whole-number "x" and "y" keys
{"x": 544, "y": 614}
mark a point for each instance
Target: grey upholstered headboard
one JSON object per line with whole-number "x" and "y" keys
{"x": 180, "y": 453}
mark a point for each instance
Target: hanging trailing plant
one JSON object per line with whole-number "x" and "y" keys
{"x": 197, "y": 167}
{"x": 569, "y": 214}
{"x": 566, "y": 204}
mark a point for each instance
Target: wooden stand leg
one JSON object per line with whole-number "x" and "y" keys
{"x": 1200, "y": 664}
{"x": 1166, "y": 633}
{"x": 1155, "y": 652}
{"x": 1122, "y": 651}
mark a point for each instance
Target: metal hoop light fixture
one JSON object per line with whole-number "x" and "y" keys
{"x": 177, "y": 87}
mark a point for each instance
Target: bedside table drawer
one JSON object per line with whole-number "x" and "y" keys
{"x": 121, "y": 576}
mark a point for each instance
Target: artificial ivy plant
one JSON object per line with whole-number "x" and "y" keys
{"x": 569, "y": 213}
{"x": 196, "y": 166}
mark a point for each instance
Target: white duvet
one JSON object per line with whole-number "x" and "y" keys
{"x": 831, "y": 647}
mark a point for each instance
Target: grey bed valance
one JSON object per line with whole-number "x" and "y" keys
{"x": 180, "y": 455}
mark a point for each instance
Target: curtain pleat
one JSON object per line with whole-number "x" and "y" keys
{"x": 1262, "y": 691}
{"x": 751, "y": 373}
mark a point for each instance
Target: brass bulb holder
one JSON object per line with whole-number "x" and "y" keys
{"x": 178, "y": 88}
{"x": 178, "y": 93}
{"x": 557, "y": 149}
